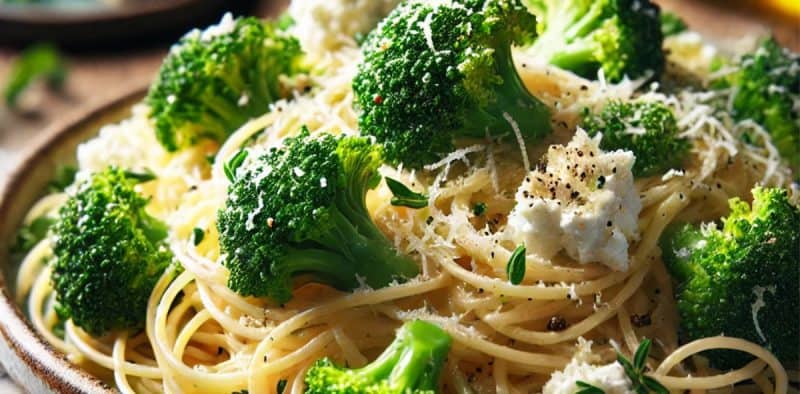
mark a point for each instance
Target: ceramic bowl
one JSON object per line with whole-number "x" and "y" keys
{"x": 30, "y": 361}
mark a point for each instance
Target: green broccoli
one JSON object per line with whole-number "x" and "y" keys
{"x": 436, "y": 72}
{"x": 411, "y": 364}
{"x": 672, "y": 24}
{"x": 213, "y": 81}
{"x": 300, "y": 209}
{"x": 621, "y": 37}
{"x": 648, "y": 129}
{"x": 765, "y": 88}
{"x": 109, "y": 254}
{"x": 741, "y": 280}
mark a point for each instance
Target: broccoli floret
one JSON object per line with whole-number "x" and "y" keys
{"x": 648, "y": 129}
{"x": 741, "y": 280}
{"x": 109, "y": 254}
{"x": 766, "y": 89}
{"x": 411, "y": 364}
{"x": 213, "y": 81}
{"x": 436, "y": 72}
{"x": 621, "y": 37}
{"x": 672, "y": 24}
{"x": 300, "y": 210}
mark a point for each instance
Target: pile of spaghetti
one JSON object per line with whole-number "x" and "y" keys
{"x": 561, "y": 207}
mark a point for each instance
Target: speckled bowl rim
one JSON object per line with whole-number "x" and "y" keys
{"x": 28, "y": 358}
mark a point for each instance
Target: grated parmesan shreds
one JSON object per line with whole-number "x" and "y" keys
{"x": 718, "y": 138}
{"x": 446, "y": 230}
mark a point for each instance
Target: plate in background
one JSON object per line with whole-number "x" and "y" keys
{"x": 105, "y": 23}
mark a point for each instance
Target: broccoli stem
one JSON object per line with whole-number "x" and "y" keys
{"x": 574, "y": 56}
{"x": 585, "y": 25}
{"x": 226, "y": 112}
{"x": 513, "y": 99}
{"x": 568, "y": 47}
{"x": 154, "y": 230}
{"x": 328, "y": 267}
{"x": 372, "y": 256}
{"x": 408, "y": 360}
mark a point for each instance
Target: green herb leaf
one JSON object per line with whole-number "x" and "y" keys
{"x": 479, "y": 209}
{"x": 233, "y": 164}
{"x": 672, "y": 24}
{"x": 515, "y": 269}
{"x": 629, "y": 369}
{"x": 285, "y": 21}
{"x": 642, "y": 384}
{"x": 141, "y": 177}
{"x": 654, "y": 385}
{"x": 197, "y": 235}
{"x": 38, "y": 61}
{"x": 29, "y": 235}
{"x": 405, "y": 197}
{"x": 640, "y": 357}
{"x": 586, "y": 388}
{"x": 281, "y": 386}
{"x": 65, "y": 176}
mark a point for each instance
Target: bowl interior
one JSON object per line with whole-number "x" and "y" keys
{"x": 28, "y": 359}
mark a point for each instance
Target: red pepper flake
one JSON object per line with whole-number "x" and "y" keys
{"x": 378, "y": 99}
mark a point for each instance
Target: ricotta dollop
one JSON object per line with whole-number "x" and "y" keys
{"x": 328, "y": 24}
{"x": 582, "y": 200}
{"x": 610, "y": 378}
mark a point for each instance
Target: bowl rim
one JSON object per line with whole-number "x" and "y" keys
{"x": 44, "y": 362}
{"x": 39, "y": 14}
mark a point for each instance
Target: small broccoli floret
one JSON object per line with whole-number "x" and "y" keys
{"x": 436, "y": 72}
{"x": 672, "y": 24}
{"x": 411, "y": 364}
{"x": 621, "y": 37}
{"x": 109, "y": 254}
{"x": 741, "y": 280}
{"x": 766, "y": 89}
{"x": 300, "y": 209}
{"x": 215, "y": 80}
{"x": 648, "y": 129}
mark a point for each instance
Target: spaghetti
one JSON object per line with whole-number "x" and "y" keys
{"x": 202, "y": 337}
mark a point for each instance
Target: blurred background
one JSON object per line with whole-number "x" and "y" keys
{"x": 98, "y": 50}
{"x": 103, "y": 48}
{"x": 106, "y": 48}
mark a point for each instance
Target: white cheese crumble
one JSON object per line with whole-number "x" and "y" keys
{"x": 672, "y": 173}
{"x": 244, "y": 99}
{"x": 225, "y": 26}
{"x": 758, "y": 291}
{"x": 610, "y": 378}
{"x": 322, "y": 25}
{"x": 582, "y": 201}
